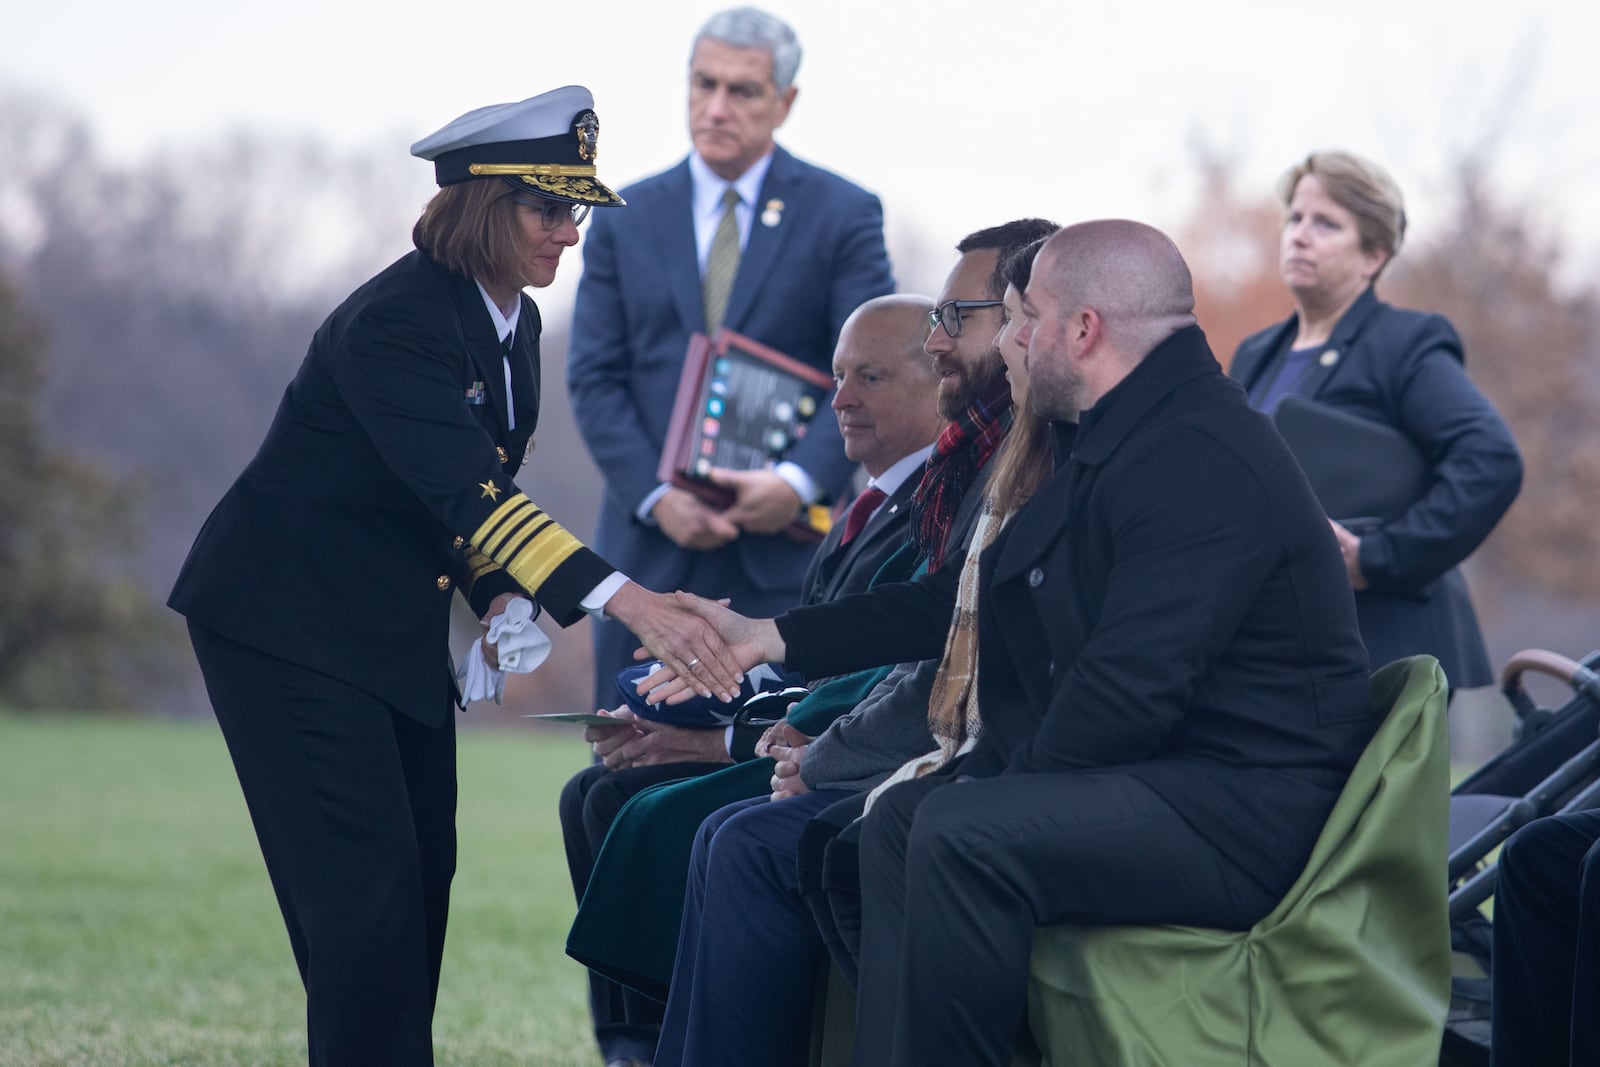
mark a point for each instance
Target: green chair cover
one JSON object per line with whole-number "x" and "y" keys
{"x": 1352, "y": 967}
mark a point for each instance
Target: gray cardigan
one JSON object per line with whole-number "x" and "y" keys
{"x": 890, "y": 726}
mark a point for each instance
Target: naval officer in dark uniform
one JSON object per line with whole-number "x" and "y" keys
{"x": 317, "y": 594}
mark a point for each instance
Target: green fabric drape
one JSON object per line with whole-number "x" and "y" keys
{"x": 1352, "y": 967}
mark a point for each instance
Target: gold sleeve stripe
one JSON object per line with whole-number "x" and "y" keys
{"x": 478, "y": 564}
{"x": 524, "y": 539}
{"x": 537, "y": 555}
{"x": 491, "y": 536}
{"x": 513, "y": 533}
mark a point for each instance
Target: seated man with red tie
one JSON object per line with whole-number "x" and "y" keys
{"x": 885, "y": 406}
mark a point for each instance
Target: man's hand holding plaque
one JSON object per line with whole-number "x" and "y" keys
{"x": 740, "y": 407}
{"x": 691, "y": 523}
{"x": 763, "y": 502}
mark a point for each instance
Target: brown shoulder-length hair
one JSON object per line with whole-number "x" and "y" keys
{"x": 1027, "y": 456}
{"x": 471, "y": 228}
{"x": 1025, "y": 461}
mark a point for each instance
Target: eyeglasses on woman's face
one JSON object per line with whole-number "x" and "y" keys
{"x": 553, "y": 213}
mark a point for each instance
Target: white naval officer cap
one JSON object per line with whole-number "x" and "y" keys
{"x": 546, "y": 144}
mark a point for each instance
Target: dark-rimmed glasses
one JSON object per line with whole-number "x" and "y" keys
{"x": 948, "y": 314}
{"x": 552, "y": 213}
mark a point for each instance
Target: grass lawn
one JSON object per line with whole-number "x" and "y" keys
{"x": 137, "y": 925}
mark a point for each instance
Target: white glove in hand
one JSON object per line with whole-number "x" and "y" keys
{"x": 520, "y": 645}
{"x": 518, "y": 641}
{"x": 478, "y": 680}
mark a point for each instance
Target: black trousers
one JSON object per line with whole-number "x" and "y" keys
{"x": 354, "y": 806}
{"x": 626, "y": 1022}
{"x": 957, "y": 873}
{"x": 1546, "y": 958}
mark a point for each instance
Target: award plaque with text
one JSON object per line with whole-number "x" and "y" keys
{"x": 741, "y": 405}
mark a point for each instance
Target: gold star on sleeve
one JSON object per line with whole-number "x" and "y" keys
{"x": 490, "y": 490}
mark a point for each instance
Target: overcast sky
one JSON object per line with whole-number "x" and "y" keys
{"x": 958, "y": 114}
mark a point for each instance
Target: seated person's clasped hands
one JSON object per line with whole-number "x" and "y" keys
{"x": 787, "y": 746}
{"x": 637, "y": 742}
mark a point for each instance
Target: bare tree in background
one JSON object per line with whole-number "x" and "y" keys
{"x": 1534, "y": 348}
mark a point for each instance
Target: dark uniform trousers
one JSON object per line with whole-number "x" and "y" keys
{"x": 354, "y": 805}
{"x": 1546, "y": 958}
{"x": 957, "y": 873}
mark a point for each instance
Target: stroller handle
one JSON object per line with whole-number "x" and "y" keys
{"x": 1577, "y": 675}
{"x": 1537, "y": 659}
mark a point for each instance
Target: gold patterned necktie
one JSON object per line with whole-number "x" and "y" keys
{"x": 723, "y": 262}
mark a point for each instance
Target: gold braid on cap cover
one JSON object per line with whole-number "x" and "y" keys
{"x": 585, "y": 190}
{"x": 554, "y": 170}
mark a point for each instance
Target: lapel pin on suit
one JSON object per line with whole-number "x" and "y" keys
{"x": 1329, "y": 358}
{"x": 773, "y": 214}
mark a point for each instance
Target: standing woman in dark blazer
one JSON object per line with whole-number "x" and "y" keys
{"x": 1343, "y": 222}
{"x": 318, "y": 592}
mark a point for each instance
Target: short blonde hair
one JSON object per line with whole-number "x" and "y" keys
{"x": 1362, "y": 188}
{"x": 471, "y": 228}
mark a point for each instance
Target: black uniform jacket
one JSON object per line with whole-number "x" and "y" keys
{"x": 384, "y": 486}
{"x": 1405, "y": 369}
{"x": 1171, "y": 605}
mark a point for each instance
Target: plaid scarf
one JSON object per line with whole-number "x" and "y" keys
{"x": 953, "y": 717}
{"x": 960, "y": 453}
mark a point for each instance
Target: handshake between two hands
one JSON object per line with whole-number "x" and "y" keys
{"x": 704, "y": 648}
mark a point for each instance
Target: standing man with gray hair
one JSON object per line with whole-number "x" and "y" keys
{"x": 740, "y": 234}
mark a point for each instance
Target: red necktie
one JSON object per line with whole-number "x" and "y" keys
{"x": 861, "y": 511}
